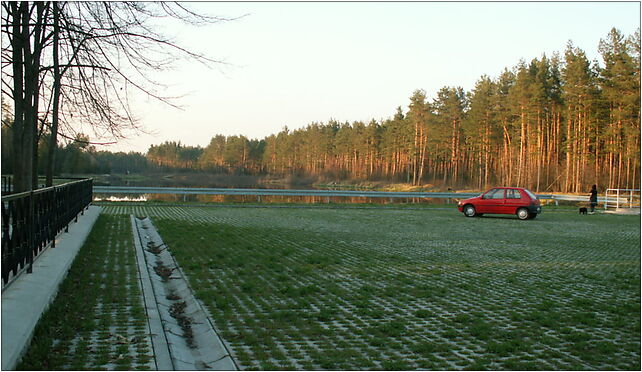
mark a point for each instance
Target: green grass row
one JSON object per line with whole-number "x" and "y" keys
{"x": 97, "y": 320}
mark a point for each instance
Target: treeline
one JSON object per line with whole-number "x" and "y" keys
{"x": 77, "y": 157}
{"x": 559, "y": 124}
{"x": 232, "y": 154}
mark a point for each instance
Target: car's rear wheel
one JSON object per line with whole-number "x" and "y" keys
{"x": 469, "y": 211}
{"x": 523, "y": 214}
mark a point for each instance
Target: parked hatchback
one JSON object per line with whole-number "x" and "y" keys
{"x": 503, "y": 200}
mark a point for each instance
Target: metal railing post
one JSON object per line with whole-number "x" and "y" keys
{"x": 30, "y": 227}
{"x": 54, "y": 217}
{"x": 75, "y": 209}
{"x": 65, "y": 210}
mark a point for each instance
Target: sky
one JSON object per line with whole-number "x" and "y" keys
{"x": 292, "y": 64}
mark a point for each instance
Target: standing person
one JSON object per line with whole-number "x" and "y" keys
{"x": 593, "y": 198}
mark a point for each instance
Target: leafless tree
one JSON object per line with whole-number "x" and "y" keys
{"x": 85, "y": 59}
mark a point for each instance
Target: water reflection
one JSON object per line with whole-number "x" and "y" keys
{"x": 266, "y": 199}
{"x": 120, "y": 198}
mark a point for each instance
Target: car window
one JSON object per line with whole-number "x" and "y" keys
{"x": 513, "y": 194}
{"x": 530, "y": 194}
{"x": 494, "y": 194}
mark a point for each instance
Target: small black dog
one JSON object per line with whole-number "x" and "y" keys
{"x": 583, "y": 210}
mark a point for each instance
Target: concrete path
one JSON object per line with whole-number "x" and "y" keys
{"x": 25, "y": 300}
{"x": 162, "y": 354}
{"x": 185, "y": 339}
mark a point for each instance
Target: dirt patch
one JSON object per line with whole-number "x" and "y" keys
{"x": 163, "y": 271}
{"x": 177, "y": 311}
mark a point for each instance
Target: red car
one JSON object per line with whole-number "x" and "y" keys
{"x": 503, "y": 200}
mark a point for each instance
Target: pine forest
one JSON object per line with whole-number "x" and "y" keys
{"x": 556, "y": 124}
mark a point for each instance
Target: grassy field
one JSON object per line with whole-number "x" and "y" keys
{"x": 380, "y": 288}
{"x": 97, "y": 320}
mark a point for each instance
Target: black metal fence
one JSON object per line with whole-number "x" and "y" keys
{"x": 7, "y": 185}
{"x": 32, "y": 220}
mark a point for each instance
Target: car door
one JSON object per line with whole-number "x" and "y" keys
{"x": 513, "y": 201}
{"x": 492, "y": 201}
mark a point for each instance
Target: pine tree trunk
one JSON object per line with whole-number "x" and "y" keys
{"x": 522, "y": 140}
{"x": 424, "y": 139}
{"x": 568, "y": 153}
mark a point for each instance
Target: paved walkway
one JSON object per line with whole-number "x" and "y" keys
{"x": 623, "y": 211}
{"x": 25, "y": 300}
